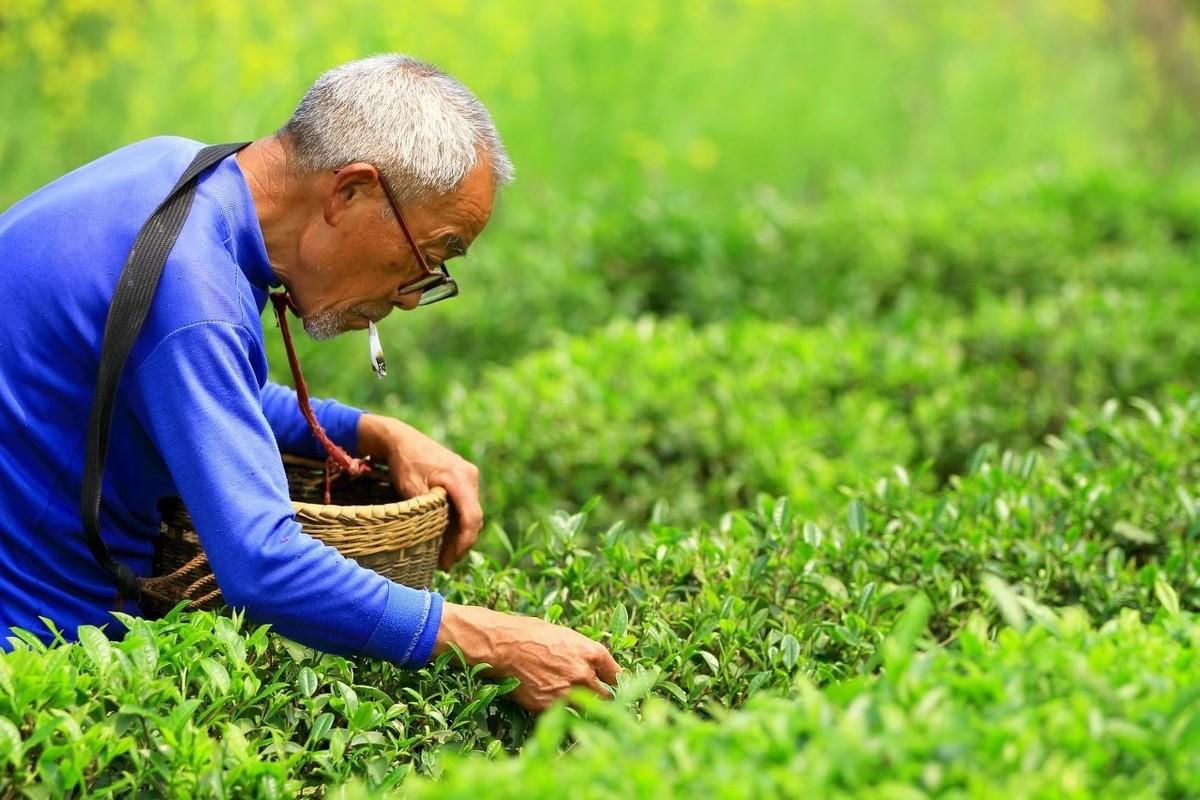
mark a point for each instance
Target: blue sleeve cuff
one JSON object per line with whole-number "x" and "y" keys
{"x": 408, "y": 629}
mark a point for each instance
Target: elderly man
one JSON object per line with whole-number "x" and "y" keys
{"x": 313, "y": 209}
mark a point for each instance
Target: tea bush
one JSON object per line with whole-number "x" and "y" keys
{"x": 708, "y": 417}
{"x": 843, "y": 351}
{"x": 707, "y": 617}
{"x": 861, "y": 252}
{"x": 1101, "y": 520}
{"x": 865, "y": 256}
{"x": 1059, "y": 709}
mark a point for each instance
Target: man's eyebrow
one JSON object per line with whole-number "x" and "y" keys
{"x": 454, "y": 244}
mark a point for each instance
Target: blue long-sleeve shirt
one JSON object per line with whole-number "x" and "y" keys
{"x": 195, "y": 416}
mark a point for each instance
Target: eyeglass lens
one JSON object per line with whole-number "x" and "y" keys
{"x": 442, "y": 291}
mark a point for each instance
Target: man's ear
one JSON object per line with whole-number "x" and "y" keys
{"x": 353, "y": 185}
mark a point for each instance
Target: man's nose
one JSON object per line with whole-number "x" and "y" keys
{"x": 407, "y": 301}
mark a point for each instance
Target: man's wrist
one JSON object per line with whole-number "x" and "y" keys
{"x": 377, "y": 436}
{"x": 468, "y": 628}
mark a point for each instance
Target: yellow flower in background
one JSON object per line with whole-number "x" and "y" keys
{"x": 1092, "y": 12}
{"x": 580, "y": 83}
{"x": 649, "y": 153}
{"x": 702, "y": 153}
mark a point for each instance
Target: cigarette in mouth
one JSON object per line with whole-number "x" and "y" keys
{"x": 377, "y": 362}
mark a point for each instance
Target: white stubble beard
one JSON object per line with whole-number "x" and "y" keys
{"x": 325, "y": 325}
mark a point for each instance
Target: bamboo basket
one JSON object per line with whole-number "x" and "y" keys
{"x": 399, "y": 539}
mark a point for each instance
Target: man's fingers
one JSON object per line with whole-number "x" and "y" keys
{"x": 599, "y": 688}
{"x": 465, "y": 496}
{"x": 605, "y": 665}
{"x": 446, "y": 555}
{"x": 410, "y": 485}
{"x": 461, "y": 483}
{"x": 470, "y": 523}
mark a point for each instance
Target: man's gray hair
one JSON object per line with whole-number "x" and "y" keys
{"x": 423, "y": 130}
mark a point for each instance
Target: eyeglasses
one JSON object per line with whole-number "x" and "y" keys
{"x": 436, "y": 284}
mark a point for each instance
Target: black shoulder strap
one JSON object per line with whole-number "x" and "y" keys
{"x": 128, "y": 312}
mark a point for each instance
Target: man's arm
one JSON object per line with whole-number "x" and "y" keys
{"x": 197, "y": 396}
{"x": 199, "y": 399}
{"x": 292, "y": 433}
{"x": 417, "y": 462}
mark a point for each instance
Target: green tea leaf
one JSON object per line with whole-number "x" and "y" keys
{"x": 1133, "y": 533}
{"x": 1006, "y": 600}
{"x": 349, "y": 697}
{"x": 97, "y": 646}
{"x": 789, "y": 649}
{"x": 674, "y": 690}
{"x": 856, "y": 517}
{"x": 1167, "y": 596}
{"x": 217, "y": 676}
{"x": 619, "y": 621}
{"x": 338, "y": 738}
{"x": 6, "y": 679}
{"x": 11, "y": 747}
{"x": 307, "y": 681}
{"x": 321, "y": 727}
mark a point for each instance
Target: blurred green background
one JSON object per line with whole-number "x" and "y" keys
{"x": 754, "y": 246}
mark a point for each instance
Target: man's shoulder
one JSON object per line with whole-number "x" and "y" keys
{"x": 177, "y": 146}
{"x": 201, "y": 281}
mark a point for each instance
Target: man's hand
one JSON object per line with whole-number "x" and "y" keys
{"x": 548, "y": 659}
{"x": 418, "y": 464}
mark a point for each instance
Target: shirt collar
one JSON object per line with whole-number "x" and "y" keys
{"x": 246, "y": 239}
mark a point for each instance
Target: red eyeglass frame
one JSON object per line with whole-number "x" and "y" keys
{"x": 433, "y": 279}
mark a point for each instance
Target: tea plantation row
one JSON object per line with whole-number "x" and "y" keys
{"x": 1059, "y": 709}
{"x": 569, "y": 266}
{"x": 705, "y": 417}
{"x": 884, "y": 332}
{"x": 839, "y": 618}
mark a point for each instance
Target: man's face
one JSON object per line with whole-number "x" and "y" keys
{"x": 356, "y": 255}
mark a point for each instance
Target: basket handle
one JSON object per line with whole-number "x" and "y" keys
{"x": 338, "y": 460}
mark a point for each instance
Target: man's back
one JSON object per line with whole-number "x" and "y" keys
{"x": 63, "y": 249}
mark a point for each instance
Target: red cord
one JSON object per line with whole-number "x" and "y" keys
{"x": 339, "y": 461}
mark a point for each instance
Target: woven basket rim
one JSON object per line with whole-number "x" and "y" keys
{"x": 413, "y": 505}
{"x": 398, "y": 540}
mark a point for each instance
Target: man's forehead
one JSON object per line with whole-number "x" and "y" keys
{"x": 456, "y": 224}
{"x": 452, "y": 221}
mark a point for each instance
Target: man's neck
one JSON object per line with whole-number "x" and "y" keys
{"x": 277, "y": 198}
